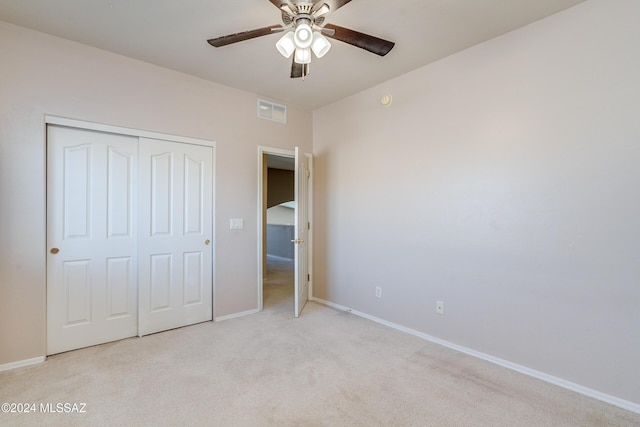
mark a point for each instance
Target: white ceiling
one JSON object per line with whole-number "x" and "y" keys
{"x": 173, "y": 34}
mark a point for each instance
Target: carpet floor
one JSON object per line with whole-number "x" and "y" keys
{"x": 326, "y": 368}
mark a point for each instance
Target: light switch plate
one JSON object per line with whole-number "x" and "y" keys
{"x": 236, "y": 224}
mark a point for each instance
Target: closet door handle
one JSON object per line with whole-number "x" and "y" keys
{"x": 207, "y": 242}
{"x": 54, "y": 250}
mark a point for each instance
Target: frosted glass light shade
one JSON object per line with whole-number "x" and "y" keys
{"x": 303, "y": 56}
{"x": 303, "y": 36}
{"x": 320, "y": 44}
{"x": 286, "y": 45}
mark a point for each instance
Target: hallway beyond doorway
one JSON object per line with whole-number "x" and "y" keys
{"x": 278, "y": 288}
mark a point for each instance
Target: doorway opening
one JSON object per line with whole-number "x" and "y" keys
{"x": 284, "y": 176}
{"x": 276, "y": 284}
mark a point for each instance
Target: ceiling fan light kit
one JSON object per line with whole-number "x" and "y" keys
{"x": 305, "y": 31}
{"x": 303, "y": 55}
{"x": 303, "y": 35}
{"x": 320, "y": 44}
{"x": 286, "y": 45}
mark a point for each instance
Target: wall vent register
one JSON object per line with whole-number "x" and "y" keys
{"x": 271, "y": 111}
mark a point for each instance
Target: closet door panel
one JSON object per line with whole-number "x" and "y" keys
{"x": 91, "y": 259}
{"x": 176, "y": 214}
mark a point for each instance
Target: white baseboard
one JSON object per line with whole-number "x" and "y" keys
{"x": 236, "y": 315}
{"x": 621, "y": 403}
{"x": 22, "y": 363}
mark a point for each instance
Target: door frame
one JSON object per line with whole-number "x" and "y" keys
{"x": 62, "y": 121}
{"x": 309, "y": 157}
{"x": 262, "y": 152}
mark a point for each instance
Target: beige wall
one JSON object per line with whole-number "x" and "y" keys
{"x": 510, "y": 176}
{"x": 45, "y": 75}
{"x": 281, "y": 215}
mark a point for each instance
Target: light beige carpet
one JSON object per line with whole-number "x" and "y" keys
{"x": 327, "y": 368}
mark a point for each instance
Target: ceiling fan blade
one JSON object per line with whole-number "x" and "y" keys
{"x": 364, "y": 41}
{"x": 245, "y": 35}
{"x": 299, "y": 70}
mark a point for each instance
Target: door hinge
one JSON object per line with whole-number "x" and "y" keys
{"x": 308, "y": 173}
{"x": 308, "y": 226}
{"x": 308, "y": 277}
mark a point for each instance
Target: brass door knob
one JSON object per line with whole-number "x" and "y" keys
{"x": 54, "y": 250}
{"x": 207, "y": 242}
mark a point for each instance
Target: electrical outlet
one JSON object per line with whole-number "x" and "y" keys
{"x": 439, "y": 307}
{"x": 378, "y": 292}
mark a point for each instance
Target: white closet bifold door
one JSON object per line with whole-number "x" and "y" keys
{"x": 175, "y": 242}
{"x": 129, "y": 234}
{"x": 91, "y": 238}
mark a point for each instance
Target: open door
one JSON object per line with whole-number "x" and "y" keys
{"x": 301, "y": 233}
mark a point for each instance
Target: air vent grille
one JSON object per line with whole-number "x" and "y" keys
{"x": 271, "y": 111}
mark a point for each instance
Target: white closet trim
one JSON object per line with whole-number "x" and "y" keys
{"x": 62, "y": 121}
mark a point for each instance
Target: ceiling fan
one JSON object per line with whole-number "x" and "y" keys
{"x": 305, "y": 31}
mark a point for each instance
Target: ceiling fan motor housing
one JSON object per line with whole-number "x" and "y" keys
{"x": 303, "y": 12}
{"x": 304, "y": 7}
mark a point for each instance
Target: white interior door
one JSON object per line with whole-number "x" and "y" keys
{"x": 175, "y": 242}
{"x": 91, "y": 236}
{"x": 301, "y": 252}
